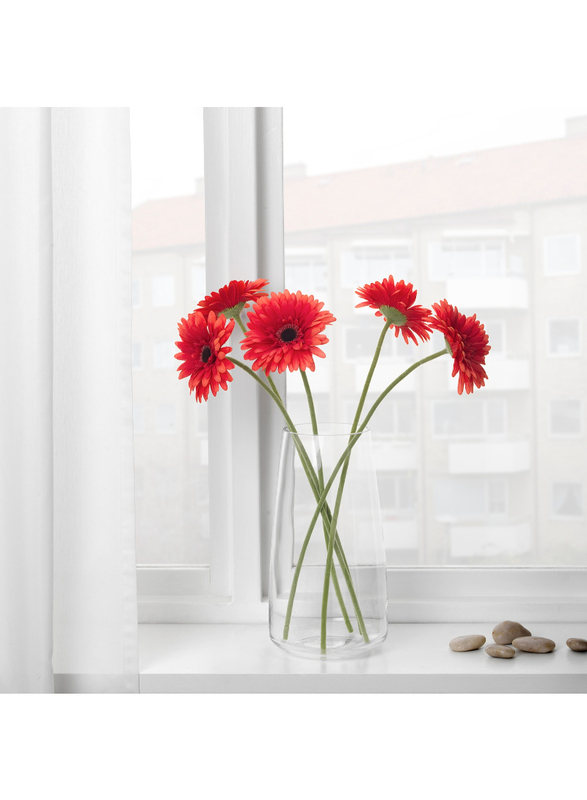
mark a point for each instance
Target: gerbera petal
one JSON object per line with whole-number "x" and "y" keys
{"x": 232, "y": 298}
{"x": 283, "y": 330}
{"x": 468, "y": 342}
{"x": 399, "y": 297}
{"x": 204, "y": 360}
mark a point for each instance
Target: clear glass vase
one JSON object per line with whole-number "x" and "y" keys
{"x": 346, "y": 615}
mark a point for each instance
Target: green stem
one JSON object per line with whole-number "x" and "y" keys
{"x": 369, "y": 376}
{"x": 328, "y": 530}
{"x": 354, "y": 438}
{"x": 308, "y": 469}
{"x": 341, "y": 485}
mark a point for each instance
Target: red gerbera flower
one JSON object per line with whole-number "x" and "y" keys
{"x": 395, "y": 302}
{"x": 467, "y": 341}
{"x": 232, "y": 298}
{"x": 202, "y": 353}
{"x": 284, "y": 332}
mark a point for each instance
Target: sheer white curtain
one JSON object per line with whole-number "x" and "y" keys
{"x": 68, "y": 617}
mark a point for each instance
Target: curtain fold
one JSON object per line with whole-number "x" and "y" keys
{"x": 68, "y": 620}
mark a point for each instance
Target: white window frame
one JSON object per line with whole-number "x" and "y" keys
{"x": 244, "y": 239}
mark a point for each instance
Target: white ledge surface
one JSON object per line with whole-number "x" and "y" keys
{"x": 415, "y": 658}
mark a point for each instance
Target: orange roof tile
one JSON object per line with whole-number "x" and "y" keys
{"x": 517, "y": 175}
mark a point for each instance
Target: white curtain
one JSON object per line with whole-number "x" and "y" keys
{"x": 68, "y": 616}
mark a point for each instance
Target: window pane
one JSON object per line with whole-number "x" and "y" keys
{"x": 171, "y": 431}
{"x": 567, "y": 500}
{"x": 565, "y": 417}
{"x": 563, "y": 337}
{"x": 496, "y": 332}
{"x": 481, "y": 467}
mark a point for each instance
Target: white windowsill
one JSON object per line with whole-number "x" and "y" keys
{"x": 415, "y": 658}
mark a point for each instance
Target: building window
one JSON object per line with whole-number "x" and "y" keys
{"x": 567, "y": 500}
{"x": 396, "y": 417}
{"x": 565, "y": 417}
{"x": 137, "y": 355}
{"x": 564, "y": 337}
{"x": 163, "y": 355}
{"x": 307, "y": 271}
{"x": 496, "y": 330}
{"x": 562, "y": 255}
{"x": 371, "y": 262}
{"x": 137, "y": 292}
{"x": 165, "y": 418}
{"x": 163, "y": 290}
{"x": 457, "y": 499}
{"x": 475, "y": 418}
{"x": 466, "y": 259}
{"x": 397, "y": 494}
{"x": 360, "y": 343}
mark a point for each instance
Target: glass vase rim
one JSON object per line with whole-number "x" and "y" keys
{"x": 304, "y": 429}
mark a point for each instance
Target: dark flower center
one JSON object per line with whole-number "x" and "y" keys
{"x": 206, "y": 353}
{"x": 287, "y": 333}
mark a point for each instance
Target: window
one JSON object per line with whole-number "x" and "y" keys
{"x": 397, "y": 418}
{"x": 469, "y": 420}
{"x": 168, "y": 281}
{"x": 496, "y": 330}
{"x": 370, "y": 261}
{"x": 433, "y": 514}
{"x": 564, "y": 337}
{"x": 397, "y": 495}
{"x": 562, "y": 255}
{"x": 360, "y": 342}
{"x": 470, "y": 499}
{"x": 566, "y": 417}
{"x": 307, "y": 271}
{"x": 567, "y": 501}
{"x": 163, "y": 290}
{"x": 466, "y": 259}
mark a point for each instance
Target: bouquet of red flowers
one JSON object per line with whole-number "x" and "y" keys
{"x": 285, "y": 331}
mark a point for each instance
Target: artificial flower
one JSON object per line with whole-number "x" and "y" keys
{"x": 467, "y": 342}
{"x": 204, "y": 357}
{"x": 284, "y": 331}
{"x": 395, "y": 302}
{"x": 232, "y": 298}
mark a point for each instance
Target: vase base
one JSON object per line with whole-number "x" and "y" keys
{"x": 337, "y": 647}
